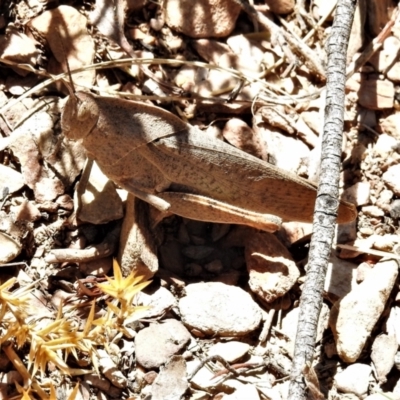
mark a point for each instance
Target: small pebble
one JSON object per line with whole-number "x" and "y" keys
{"x": 395, "y": 209}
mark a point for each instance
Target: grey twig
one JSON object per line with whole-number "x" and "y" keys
{"x": 327, "y": 202}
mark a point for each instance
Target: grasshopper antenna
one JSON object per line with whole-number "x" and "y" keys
{"x": 70, "y": 85}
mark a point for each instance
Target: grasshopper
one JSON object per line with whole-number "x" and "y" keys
{"x": 181, "y": 170}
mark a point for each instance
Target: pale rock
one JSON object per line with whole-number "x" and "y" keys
{"x": 18, "y": 47}
{"x": 385, "y": 145}
{"x": 156, "y": 344}
{"x": 240, "y": 135}
{"x": 391, "y": 178}
{"x": 10, "y": 179}
{"x": 110, "y": 370}
{"x": 354, "y": 316}
{"x": 354, "y": 379}
{"x": 385, "y": 242}
{"x": 293, "y": 231}
{"x": 210, "y": 50}
{"x": 391, "y": 125}
{"x": 99, "y": 267}
{"x": 394, "y": 73}
{"x": 313, "y": 120}
{"x": 248, "y": 392}
{"x": 383, "y": 352}
{"x": 340, "y": 277}
{"x": 393, "y": 323}
{"x": 395, "y": 209}
{"x": 229, "y": 351}
{"x": 290, "y": 322}
{"x": 204, "y": 378}
{"x": 362, "y": 271}
{"x": 376, "y": 94}
{"x": 159, "y": 300}
{"x": 219, "y": 310}
{"x": 203, "y": 19}
{"x": 384, "y": 58}
{"x": 363, "y": 244}
{"x": 280, "y": 6}
{"x": 358, "y": 194}
{"x": 305, "y": 133}
{"x": 272, "y": 271}
{"x": 171, "y": 383}
{"x": 322, "y": 7}
{"x": 283, "y": 151}
{"x": 385, "y": 196}
{"x": 78, "y": 45}
{"x": 373, "y": 211}
{"x": 242, "y": 46}
{"x": 100, "y": 203}
{"x": 97, "y": 382}
{"x": 65, "y": 202}
{"x": 26, "y": 211}
{"x": 271, "y": 393}
{"x": 48, "y": 189}
{"x": 190, "y": 77}
{"x": 11, "y": 235}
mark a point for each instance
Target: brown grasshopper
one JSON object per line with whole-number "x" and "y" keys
{"x": 181, "y": 170}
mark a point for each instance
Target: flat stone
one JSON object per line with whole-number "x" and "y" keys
{"x": 376, "y": 94}
{"x": 272, "y": 271}
{"x": 160, "y": 301}
{"x": 354, "y": 379}
{"x": 280, "y": 6}
{"x": 358, "y": 194}
{"x": 100, "y": 203}
{"x": 391, "y": 178}
{"x": 156, "y": 344}
{"x": 383, "y": 352}
{"x": 219, "y": 310}
{"x": 354, "y": 316}
{"x": 10, "y": 179}
{"x": 230, "y": 351}
{"x": 171, "y": 383}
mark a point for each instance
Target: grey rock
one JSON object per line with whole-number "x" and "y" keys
{"x": 156, "y": 344}
{"x": 218, "y": 309}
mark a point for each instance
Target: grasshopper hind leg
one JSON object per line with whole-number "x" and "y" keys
{"x": 202, "y": 208}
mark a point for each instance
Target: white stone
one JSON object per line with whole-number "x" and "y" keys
{"x": 230, "y": 351}
{"x": 358, "y": 194}
{"x": 219, "y": 310}
{"x": 355, "y": 315}
{"x": 391, "y": 178}
{"x": 354, "y": 379}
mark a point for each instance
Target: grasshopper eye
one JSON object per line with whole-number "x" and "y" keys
{"x": 83, "y": 111}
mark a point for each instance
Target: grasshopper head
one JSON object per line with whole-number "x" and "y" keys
{"x": 79, "y": 116}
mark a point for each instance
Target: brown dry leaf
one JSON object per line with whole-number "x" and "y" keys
{"x": 109, "y": 19}
{"x": 18, "y": 47}
{"x": 29, "y": 145}
{"x": 105, "y": 19}
{"x": 64, "y": 28}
